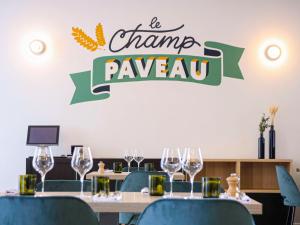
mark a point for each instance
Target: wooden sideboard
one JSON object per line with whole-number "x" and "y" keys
{"x": 257, "y": 175}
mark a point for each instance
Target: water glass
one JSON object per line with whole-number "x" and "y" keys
{"x": 100, "y": 185}
{"x": 211, "y": 187}
{"x": 157, "y": 185}
{"x": 27, "y": 184}
{"x": 117, "y": 167}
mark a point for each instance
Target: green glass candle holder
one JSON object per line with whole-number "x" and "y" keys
{"x": 100, "y": 185}
{"x": 157, "y": 185}
{"x": 211, "y": 187}
{"x": 27, "y": 184}
{"x": 148, "y": 167}
{"x": 117, "y": 167}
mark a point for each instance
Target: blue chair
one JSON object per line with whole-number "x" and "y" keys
{"x": 26, "y": 210}
{"x": 196, "y": 212}
{"x": 289, "y": 191}
{"x": 64, "y": 186}
{"x": 135, "y": 182}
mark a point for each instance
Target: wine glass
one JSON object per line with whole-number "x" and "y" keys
{"x": 43, "y": 162}
{"x": 138, "y": 158}
{"x": 192, "y": 163}
{"x": 82, "y": 162}
{"x": 128, "y": 156}
{"x": 170, "y": 163}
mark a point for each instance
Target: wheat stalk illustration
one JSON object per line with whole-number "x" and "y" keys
{"x": 100, "y": 35}
{"x": 86, "y": 41}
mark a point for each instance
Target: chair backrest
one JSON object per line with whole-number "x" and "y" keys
{"x": 196, "y": 212}
{"x": 183, "y": 186}
{"x": 135, "y": 181}
{"x": 64, "y": 186}
{"x": 288, "y": 188}
{"x": 25, "y": 210}
{"x": 133, "y": 169}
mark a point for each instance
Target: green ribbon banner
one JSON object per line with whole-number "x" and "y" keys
{"x": 218, "y": 60}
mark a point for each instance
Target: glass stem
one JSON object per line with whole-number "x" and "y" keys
{"x": 81, "y": 181}
{"x": 128, "y": 166}
{"x": 192, "y": 185}
{"x": 138, "y": 166}
{"x": 43, "y": 182}
{"x": 171, "y": 184}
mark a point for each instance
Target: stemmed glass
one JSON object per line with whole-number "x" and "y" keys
{"x": 170, "y": 163}
{"x": 82, "y": 162}
{"x": 138, "y": 158}
{"x": 128, "y": 156}
{"x": 43, "y": 162}
{"x": 192, "y": 163}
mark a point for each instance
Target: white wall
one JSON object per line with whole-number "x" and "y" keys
{"x": 223, "y": 120}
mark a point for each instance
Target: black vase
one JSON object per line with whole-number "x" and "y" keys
{"x": 261, "y": 146}
{"x": 272, "y": 143}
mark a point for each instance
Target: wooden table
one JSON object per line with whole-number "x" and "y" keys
{"x": 137, "y": 202}
{"x": 123, "y": 175}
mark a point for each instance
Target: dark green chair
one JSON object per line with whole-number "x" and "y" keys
{"x": 65, "y": 186}
{"x": 25, "y": 210}
{"x": 196, "y": 212}
{"x": 289, "y": 191}
{"x": 135, "y": 182}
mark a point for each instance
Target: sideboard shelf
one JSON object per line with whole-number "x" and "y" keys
{"x": 257, "y": 175}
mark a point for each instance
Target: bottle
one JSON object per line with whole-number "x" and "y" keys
{"x": 261, "y": 146}
{"x": 272, "y": 142}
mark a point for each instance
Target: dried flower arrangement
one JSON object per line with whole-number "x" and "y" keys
{"x": 273, "y": 110}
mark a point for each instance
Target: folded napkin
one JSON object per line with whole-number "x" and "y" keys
{"x": 242, "y": 197}
{"x": 110, "y": 198}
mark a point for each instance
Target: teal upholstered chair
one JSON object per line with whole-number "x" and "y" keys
{"x": 134, "y": 182}
{"x": 25, "y": 210}
{"x": 133, "y": 169}
{"x": 196, "y": 212}
{"x": 289, "y": 191}
{"x": 183, "y": 186}
{"x": 65, "y": 186}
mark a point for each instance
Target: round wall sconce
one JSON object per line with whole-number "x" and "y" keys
{"x": 37, "y": 47}
{"x": 273, "y": 52}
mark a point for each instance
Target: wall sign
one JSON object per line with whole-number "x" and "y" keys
{"x": 217, "y": 61}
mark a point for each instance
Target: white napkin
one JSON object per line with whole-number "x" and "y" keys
{"x": 110, "y": 198}
{"x": 242, "y": 197}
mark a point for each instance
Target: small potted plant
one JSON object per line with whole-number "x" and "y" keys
{"x": 263, "y": 125}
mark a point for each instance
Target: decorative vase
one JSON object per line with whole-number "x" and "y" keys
{"x": 261, "y": 146}
{"x": 272, "y": 142}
